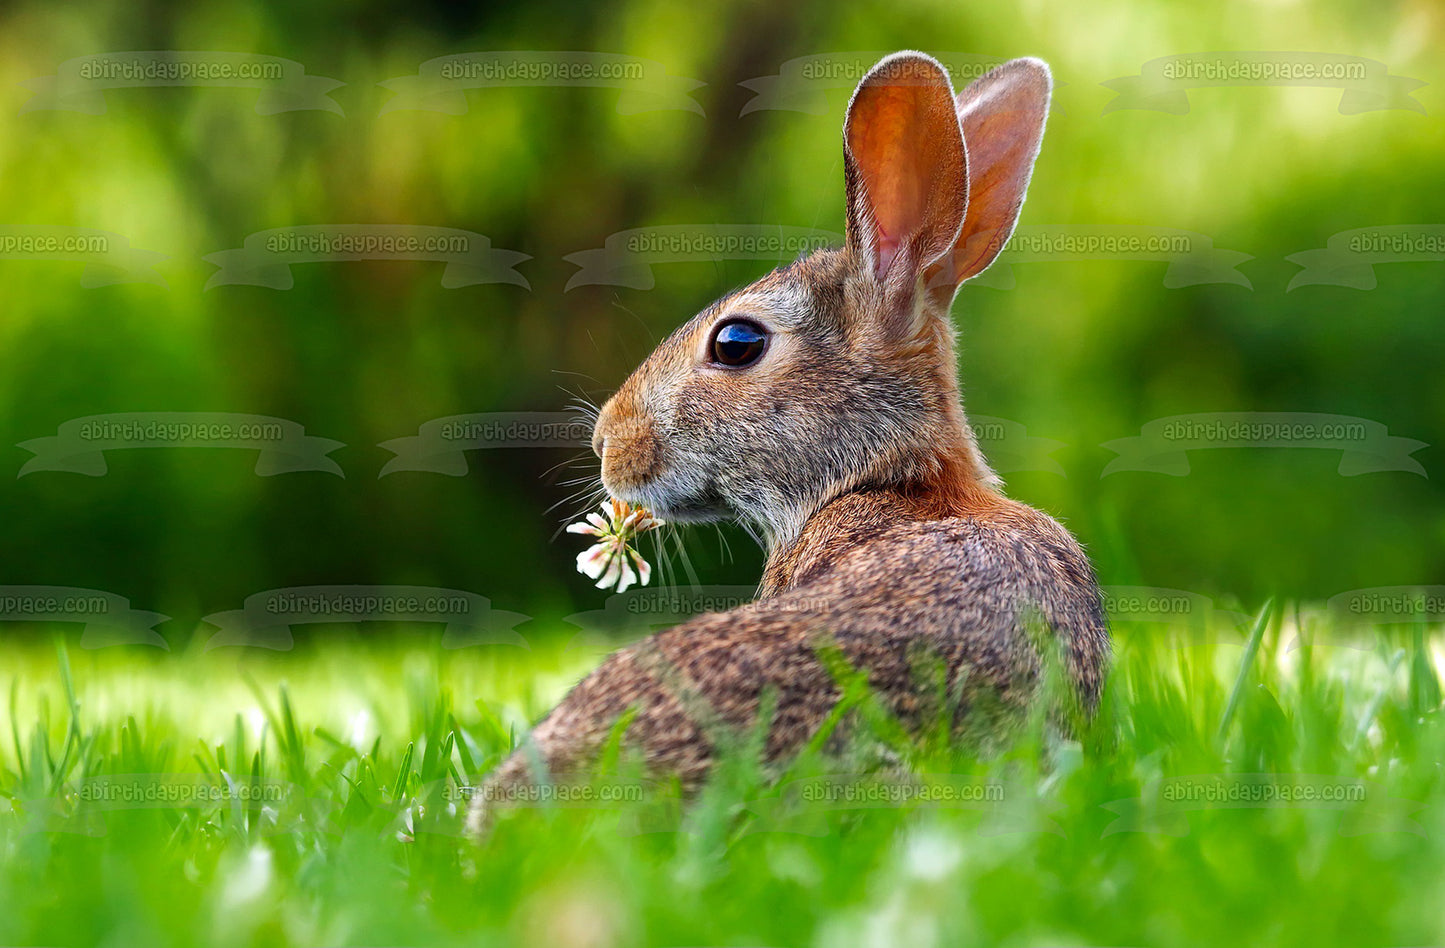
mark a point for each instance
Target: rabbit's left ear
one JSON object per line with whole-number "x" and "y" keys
{"x": 1002, "y": 114}
{"x": 906, "y": 176}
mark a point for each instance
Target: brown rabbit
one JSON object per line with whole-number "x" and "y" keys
{"x": 821, "y": 406}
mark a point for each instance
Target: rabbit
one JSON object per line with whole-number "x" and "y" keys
{"x": 821, "y": 406}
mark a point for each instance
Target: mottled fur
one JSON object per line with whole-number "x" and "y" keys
{"x": 847, "y": 448}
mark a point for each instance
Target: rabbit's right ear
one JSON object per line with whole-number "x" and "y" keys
{"x": 906, "y": 176}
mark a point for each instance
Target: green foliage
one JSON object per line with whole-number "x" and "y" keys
{"x": 1080, "y": 352}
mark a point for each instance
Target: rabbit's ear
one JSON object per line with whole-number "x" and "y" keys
{"x": 905, "y": 169}
{"x": 1002, "y": 114}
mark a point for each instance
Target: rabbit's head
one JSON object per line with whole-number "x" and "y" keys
{"x": 837, "y": 372}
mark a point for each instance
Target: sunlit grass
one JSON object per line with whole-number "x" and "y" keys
{"x": 371, "y": 746}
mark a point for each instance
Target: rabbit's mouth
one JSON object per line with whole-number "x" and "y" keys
{"x": 693, "y": 511}
{"x": 673, "y": 501}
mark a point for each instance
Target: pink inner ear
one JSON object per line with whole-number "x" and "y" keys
{"x": 887, "y": 250}
{"x": 904, "y": 143}
{"x": 1002, "y": 115}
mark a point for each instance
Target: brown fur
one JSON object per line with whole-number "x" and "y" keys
{"x": 847, "y": 446}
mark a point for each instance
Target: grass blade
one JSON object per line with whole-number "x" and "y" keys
{"x": 1246, "y": 665}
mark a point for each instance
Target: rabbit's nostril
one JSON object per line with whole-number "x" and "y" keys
{"x": 599, "y": 443}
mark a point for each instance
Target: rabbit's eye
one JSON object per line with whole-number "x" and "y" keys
{"x": 739, "y": 343}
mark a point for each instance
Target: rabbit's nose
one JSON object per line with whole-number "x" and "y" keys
{"x": 613, "y": 412}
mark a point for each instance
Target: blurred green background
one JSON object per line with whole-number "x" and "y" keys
{"x": 1081, "y": 352}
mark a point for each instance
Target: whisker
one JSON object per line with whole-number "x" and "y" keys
{"x": 668, "y": 558}
{"x": 580, "y": 375}
{"x": 580, "y": 459}
{"x": 724, "y": 547}
{"x": 640, "y": 321}
{"x": 594, "y": 496}
{"x": 581, "y": 402}
{"x": 752, "y": 531}
{"x": 659, "y": 555}
{"x": 686, "y": 559}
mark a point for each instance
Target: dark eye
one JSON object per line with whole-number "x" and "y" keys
{"x": 738, "y": 343}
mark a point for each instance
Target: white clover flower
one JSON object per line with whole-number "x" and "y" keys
{"x": 611, "y": 560}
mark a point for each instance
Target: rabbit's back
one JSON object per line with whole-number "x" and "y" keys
{"x": 960, "y": 595}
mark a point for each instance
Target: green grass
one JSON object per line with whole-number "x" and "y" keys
{"x": 370, "y": 742}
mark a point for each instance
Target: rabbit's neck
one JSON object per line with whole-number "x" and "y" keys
{"x": 955, "y": 489}
{"x": 938, "y": 474}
